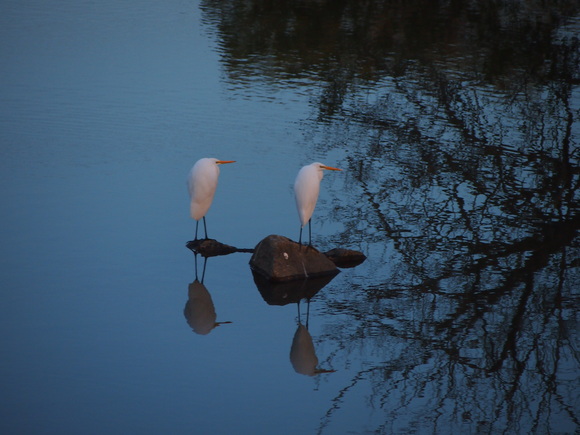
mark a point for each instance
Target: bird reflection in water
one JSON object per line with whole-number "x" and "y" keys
{"x": 199, "y": 309}
{"x": 302, "y": 353}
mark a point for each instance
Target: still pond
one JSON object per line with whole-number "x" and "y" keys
{"x": 456, "y": 126}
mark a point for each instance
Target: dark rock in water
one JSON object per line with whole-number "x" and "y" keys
{"x": 286, "y": 292}
{"x": 280, "y": 259}
{"x": 345, "y": 258}
{"x": 314, "y": 264}
{"x": 212, "y": 248}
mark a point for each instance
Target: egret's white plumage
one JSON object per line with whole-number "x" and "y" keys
{"x": 202, "y": 183}
{"x": 306, "y": 190}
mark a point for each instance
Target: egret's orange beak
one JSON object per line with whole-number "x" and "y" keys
{"x": 221, "y": 162}
{"x": 331, "y": 168}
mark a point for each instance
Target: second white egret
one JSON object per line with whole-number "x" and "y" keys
{"x": 202, "y": 183}
{"x": 306, "y": 190}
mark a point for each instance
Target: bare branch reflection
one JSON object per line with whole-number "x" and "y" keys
{"x": 458, "y": 125}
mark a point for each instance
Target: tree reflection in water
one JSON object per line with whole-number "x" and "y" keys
{"x": 458, "y": 126}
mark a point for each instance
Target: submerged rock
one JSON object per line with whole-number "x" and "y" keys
{"x": 280, "y": 259}
{"x": 345, "y": 258}
{"x": 212, "y": 248}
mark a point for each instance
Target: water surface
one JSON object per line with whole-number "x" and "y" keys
{"x": 456, "y": 127}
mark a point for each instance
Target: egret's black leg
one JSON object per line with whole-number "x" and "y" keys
{"x": 196, "y": 225}
{"x": 203, "y": 273}
{"x": 205, "y": 227}
{"x": 309, "y": 233}
{"x": 300, "y": 238}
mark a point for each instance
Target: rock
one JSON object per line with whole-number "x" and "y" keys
{"x": 341, "y": 257}
{"x": 286, "y": 292}
{"x": 280, "y": 259}
{"x": 212, "y": 248}
{"x": 345, "y": 258}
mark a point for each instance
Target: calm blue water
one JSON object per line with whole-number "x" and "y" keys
{"x": 463, "y": 319}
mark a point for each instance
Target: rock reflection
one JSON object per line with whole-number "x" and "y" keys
{"x": 302, "y": 353}
{"x": 199, "y": 309}
{"x": 283, "y": 293}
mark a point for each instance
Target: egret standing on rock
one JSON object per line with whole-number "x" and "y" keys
{"x": 306, "y": 189}
{"x": 202, "y": 182}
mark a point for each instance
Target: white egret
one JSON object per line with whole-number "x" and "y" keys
{"x": 306, "y": 189}
{"x": 202, "y": 182}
